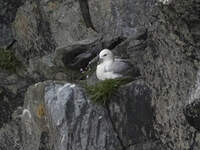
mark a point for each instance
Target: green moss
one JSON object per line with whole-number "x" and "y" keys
{"x": 8, "y": 60}
{"x": 102, "y": 91}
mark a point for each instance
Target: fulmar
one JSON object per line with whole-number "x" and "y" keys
{"x": 111, "y": 67}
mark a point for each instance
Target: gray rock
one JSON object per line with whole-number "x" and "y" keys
{"x": 70, "y": 120}
{"x": 67, "y": 22}
{"x": 192, "y": 114}
{"x": 48, "y": 25}
{"x": 123, "y": 18}
{"x": 8, "y": 11}
{"x": 161, "y": 40}
{"x": 32, "y": 31}
{"x": 77, "y": 55}
{"x": 12, "y": 90}
{"x": 132, "y": 114}
{"x": 69, "y": 117}
{"x": 10, "y": 136}
{"x": 43, "y": 66}
{"x": 167, "y": 63}
{"x": 6, "y": 35}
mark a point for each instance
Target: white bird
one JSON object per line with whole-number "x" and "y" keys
{"x": 111, "y": 67}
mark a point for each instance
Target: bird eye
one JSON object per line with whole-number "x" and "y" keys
{"x": 104, "y": 55}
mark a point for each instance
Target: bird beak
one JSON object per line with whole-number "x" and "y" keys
{"x": 100, "y": 61}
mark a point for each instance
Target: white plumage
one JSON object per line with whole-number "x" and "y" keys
{"x": 110, "y": 67}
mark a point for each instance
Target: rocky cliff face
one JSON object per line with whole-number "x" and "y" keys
{"x": 44, "y": 105}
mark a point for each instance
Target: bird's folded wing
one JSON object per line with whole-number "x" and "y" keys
{"x": 119, "y": 66}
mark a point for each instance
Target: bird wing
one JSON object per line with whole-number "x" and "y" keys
{"x": 119, "y": 66}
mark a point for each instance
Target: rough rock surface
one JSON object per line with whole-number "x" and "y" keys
{"x": 160, "y": 37}
{"x": 192, "y": 113}
{"x": 132, "y": 114}
{"x": 69, "y": 120}
{"x": 12, "y": 90}
{"x": 124, "y": 18}
{"x": 8, "y": 11}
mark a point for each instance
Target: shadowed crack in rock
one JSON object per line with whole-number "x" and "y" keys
{"x": 114, "y": 128}
{"x": 11, "y": 44}
{"x": 193, "y": 141}
{"x": 86, "y": 13}
{"x": 44, "y": 141}
{"x": 44, "y": 29}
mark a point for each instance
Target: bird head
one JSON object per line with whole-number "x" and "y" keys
{"x": 106, "y": 55}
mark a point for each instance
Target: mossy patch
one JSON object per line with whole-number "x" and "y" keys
{"x": 8, "y": 60}
{"x": 102, "y": 91}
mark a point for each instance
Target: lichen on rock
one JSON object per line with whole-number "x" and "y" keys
{"x": 41, "y": 111}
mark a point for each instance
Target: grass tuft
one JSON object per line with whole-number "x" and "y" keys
{"x": 102, "y": 91}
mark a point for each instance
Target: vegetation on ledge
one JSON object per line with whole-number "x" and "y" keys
{"x": 101, "y": 92}
{"x": 8, "y": 60}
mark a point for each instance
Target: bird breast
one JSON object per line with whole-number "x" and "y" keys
{"x": 100, "y": 72}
